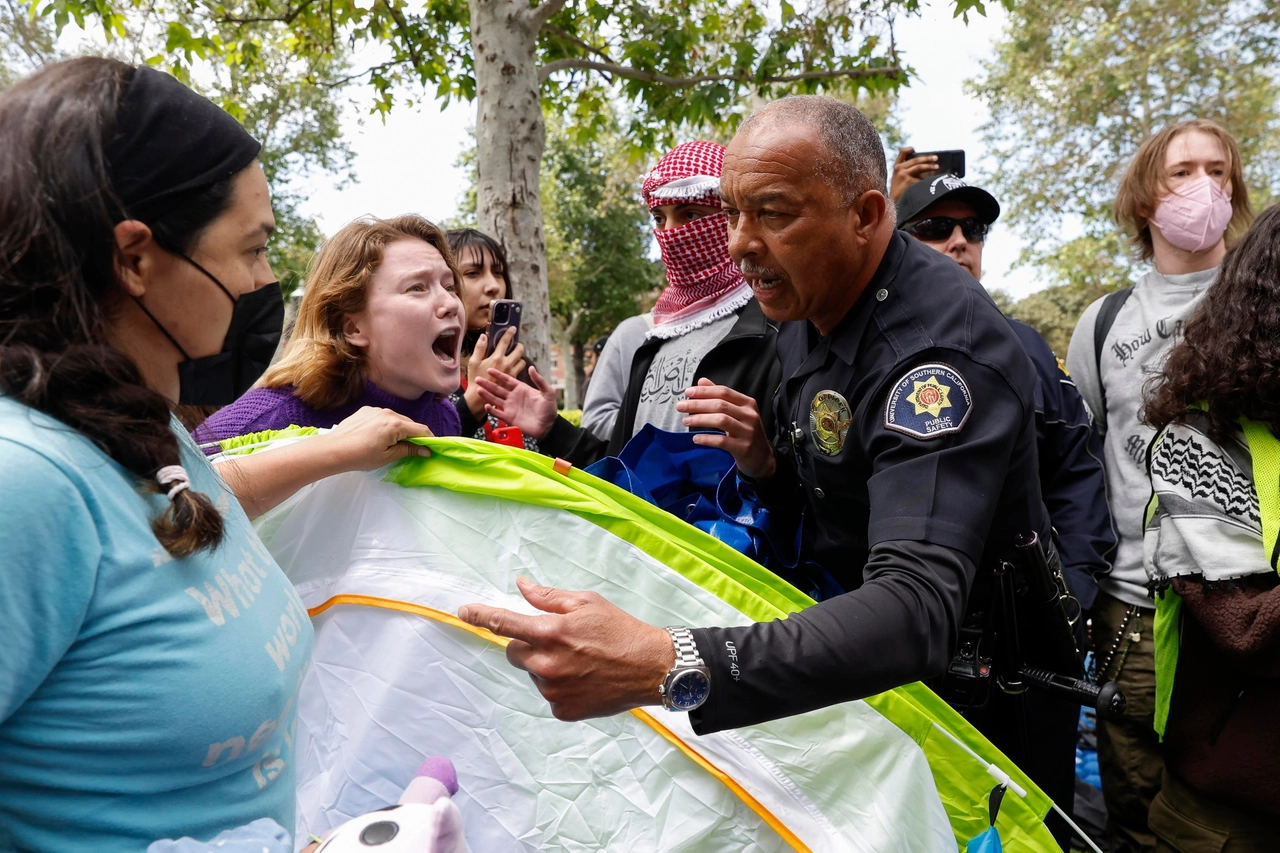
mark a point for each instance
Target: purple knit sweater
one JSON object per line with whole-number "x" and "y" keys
{"x": 277, "y": 408}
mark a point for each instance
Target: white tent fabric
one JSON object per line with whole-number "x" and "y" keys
{"x": 392, "y": 680}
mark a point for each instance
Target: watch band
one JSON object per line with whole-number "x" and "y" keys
{"x": 686, "y": 649}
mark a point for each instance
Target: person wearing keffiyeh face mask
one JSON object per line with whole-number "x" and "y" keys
{"x": 706, "y": 323}
{"x": 704, "y": 285}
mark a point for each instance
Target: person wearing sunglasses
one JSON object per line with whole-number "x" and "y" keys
{"x": 954, "y": 218}
{"x": 947, "y": 214}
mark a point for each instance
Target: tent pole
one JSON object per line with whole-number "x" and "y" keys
{"x": 1080, "y": 832}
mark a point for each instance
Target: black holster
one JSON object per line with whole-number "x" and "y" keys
{"x": 1019, "y": 632}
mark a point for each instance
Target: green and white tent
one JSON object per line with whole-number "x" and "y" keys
{"x": 384, "y": 560}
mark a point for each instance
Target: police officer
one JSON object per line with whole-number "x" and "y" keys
{"x": 909, "y": 435}
{"x": 952, "y": 217}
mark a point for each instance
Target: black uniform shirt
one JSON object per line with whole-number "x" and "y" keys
{"x": 909, "y": 435}
{"x": 1071, "y": 474}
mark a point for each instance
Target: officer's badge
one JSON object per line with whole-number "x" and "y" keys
{"x": 931, "y": 400}
{"x": 829, "y": 419}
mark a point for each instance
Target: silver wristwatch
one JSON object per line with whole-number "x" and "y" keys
{"x": 688, "y": 684}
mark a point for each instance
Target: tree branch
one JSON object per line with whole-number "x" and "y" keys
{"x": 286, "y": 18}
{"x": 538, "y": 15}
{"x": 615, "y": 70}
{"x": 403, "y": 26}
{"x": 893, "y": 72}
{"x": 556, "y": 31}
{"x": 339, "y": 82}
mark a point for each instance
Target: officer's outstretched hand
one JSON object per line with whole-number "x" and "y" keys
{"x": 719, "y": 407}
{"x": 587, "y": 657}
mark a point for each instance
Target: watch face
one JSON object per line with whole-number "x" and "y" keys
{"x": 689, "y": 689}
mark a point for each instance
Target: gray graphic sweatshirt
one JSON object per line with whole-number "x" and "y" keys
{"x": 1132, "y": 352}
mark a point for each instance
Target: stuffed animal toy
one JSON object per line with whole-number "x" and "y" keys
{"x": 424, "y": 821}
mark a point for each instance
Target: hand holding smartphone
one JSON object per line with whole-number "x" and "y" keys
{"x": 505, "y": 314}
{"x": 950, "y": 162}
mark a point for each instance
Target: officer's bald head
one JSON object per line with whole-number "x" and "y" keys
{"x": 852, "y": 160}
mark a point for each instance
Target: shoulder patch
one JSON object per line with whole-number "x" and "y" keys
{"x": 929, "y": 401}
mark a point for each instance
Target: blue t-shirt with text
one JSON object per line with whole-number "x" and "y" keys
{"x": 141, "y": 697}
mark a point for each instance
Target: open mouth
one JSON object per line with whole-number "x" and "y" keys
{"x": 760, "y": 278}
{"x": 446, "y": 345}
{"x": 764, "y": 282}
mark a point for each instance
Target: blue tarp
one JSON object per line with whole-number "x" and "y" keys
{"x": 700, "y": 486}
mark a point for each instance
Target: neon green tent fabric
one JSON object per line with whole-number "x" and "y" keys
{"x": 384, "y": 560}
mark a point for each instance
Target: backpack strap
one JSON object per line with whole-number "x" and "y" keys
{"x": 1111, "y": 305}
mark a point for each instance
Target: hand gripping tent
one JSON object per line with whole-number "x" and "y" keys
{"x": 384, "y": 560}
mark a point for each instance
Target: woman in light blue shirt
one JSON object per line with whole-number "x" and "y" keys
{"x": 152, "y": 648}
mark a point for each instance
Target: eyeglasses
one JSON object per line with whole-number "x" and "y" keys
{"x": 938, "y": 228}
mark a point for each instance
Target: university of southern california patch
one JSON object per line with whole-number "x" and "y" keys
{"x": 931, "y": 400}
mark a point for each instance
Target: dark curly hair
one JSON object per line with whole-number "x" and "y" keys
{"x": 1229, "y": 355}
{"x": 58, "y": 287}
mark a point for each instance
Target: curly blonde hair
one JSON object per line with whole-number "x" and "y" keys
{"x": 324, "y": 369}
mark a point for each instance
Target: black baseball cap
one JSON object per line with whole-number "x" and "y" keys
{"x": 930, "y": 191}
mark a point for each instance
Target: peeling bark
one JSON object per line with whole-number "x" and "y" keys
{"x": 510, "y": 137}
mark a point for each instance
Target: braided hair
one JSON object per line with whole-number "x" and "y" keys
{"x": 58, "y": 284}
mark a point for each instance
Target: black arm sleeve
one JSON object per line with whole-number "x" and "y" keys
{"x": 1072, "y": 482}
{"x": 469, "y": 423}
{"x": 1074, "y": 489}
{"x": 781, "y": 492}
{"x": 574, "y": 444}
{"x": 900, "y": 626}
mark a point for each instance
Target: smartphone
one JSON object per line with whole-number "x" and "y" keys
{"x": 950, "y": 162}
{"x": 503, "y": 314}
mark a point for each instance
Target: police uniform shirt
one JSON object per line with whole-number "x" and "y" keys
{"x": 908, "y": 434}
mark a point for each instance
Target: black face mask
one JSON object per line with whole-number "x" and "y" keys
{"x": 257, "y": 324}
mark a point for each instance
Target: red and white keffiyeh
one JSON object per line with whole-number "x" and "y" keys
{"x": 703, "y": 282}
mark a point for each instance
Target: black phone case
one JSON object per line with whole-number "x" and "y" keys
{"x": 496, "y": 331}
{"x": 950, "y": 162}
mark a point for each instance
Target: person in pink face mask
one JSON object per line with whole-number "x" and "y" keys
{"x": 1182, "y": 201}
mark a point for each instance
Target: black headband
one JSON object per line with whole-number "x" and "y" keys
{"x": 169, "y": 143}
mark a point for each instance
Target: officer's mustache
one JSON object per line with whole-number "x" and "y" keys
{"x": 753, "y": 269}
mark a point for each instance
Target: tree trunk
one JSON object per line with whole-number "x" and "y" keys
{"x": 510, "y": 136}
{"x": 579, "y": 371}
{"x": 564, "y": 339}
